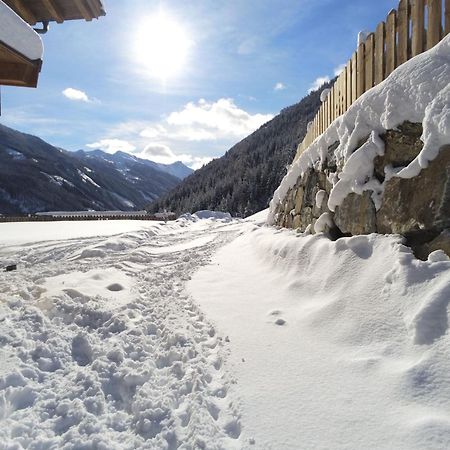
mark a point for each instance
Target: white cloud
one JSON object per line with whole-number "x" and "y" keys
{"x": 113, "y": 145}
{"x": 339, "y": 69}
{"x": 318, "y": 82}
{"x": 75, "y": 94}
{"x": 279, "y": 86}
{"x": 190, "y": 135}
{"x": 214, "y": 120}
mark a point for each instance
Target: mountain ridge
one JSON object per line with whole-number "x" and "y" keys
{"x": 36, "y": 176}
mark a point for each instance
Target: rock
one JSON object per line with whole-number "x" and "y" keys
{"x": 419, "y": 203}
{"x": 401, "y": 147}
{"x": 356, "y": 214}
{"x": 441, "y": 242}
{"x": 297, "y": 221}
{"x": 299, "y": 200}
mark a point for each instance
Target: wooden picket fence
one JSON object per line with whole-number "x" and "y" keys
{"x": 416, "y": 26}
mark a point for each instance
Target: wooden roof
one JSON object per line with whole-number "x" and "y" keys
{"x": 33, "y": 11}
{"x": 16, "y": 69}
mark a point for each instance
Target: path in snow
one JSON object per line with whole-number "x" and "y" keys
{"x": 102, "y": 348}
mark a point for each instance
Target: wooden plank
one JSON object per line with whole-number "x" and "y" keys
{"x": 23, "y": 11}
{"x": 418, "y": 32}
{"x": 403, "y": 52}
{"x": 354, "y": 76}
{"x": 54, "y": 10}
{"x": 95, "y": 8}
{"x": 82, "y": 7}
{"x": 379, "y": 54}
{"x": 343, "y": 76}
{"x": 330, "y": 113}
{"x": 343, "y": 92}
{"x": 369, "y": 49}
{"x": 447, "y": 18}
{"x": 360, "y": 71}
{"x": 336, "y": 98}
{"x": 320, "y": 121}
{"x": 333, "y": 110}
{"x": 391, "y": 42}
{"x": 434, "y": 22}
{"x": 349, "y": 84}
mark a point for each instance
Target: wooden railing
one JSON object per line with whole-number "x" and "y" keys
{"x": 416, "y": 26}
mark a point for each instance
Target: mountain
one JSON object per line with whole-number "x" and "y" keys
{"x": 242, "y": 181}
{"x": 35, "y": 176}
{"x": 123, "y": 160}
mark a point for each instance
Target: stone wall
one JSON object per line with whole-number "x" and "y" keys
{"x": 418, "y": 208}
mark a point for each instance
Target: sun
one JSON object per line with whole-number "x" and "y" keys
{"x": 162, "y": 46}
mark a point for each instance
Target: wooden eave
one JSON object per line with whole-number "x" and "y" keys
{"x": 16, "y": 69}
{"x": 34, "y": 11}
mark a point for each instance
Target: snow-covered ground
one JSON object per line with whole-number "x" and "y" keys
{"x": 220, "y": 334}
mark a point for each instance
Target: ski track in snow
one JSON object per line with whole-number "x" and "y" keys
{"x": 101, "y": 348}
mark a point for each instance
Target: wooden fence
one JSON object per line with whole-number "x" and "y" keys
{"x": 416, "y": 26}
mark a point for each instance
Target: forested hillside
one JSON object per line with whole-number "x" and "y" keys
{"x": 244, "y": 179}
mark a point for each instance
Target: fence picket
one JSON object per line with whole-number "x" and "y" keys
{"x": 360, "y": 71}
{"x": 379, "y": 54}
{"x": 403, "y": 32}
{"x": 391, "y": 42}
{"x": 348, "y": 93}
{"x": 368, "y": 56}
{"x": 434, "y": 22}
{"x": 418, "y": 32}
{"x": 447, "y": 18}
{"x": 354, "y": 75}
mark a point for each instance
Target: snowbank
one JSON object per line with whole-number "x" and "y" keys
{"x": 338, "y": 345}
{"x": 417, "y": 91}
{"x": 16, "y": 33}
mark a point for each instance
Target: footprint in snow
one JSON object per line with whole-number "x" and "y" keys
{"x": 115, "y": 287}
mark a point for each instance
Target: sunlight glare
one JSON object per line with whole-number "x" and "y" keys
{"x": 162, "y": 46}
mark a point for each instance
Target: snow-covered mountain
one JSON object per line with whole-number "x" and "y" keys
{"x": 123, "y": 161}
{"x": 35, "y": 176}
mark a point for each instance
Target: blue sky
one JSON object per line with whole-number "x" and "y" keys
{"x": 238, "y": 64}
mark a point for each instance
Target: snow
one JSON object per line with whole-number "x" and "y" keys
{"x": 18, "y": 35}
{"x": 23, "y": 232}
{"x": 324, "y": 95}
{"x": 362, "y": 37}
{"x": 16, "y": 155}
{"x": 334, "y": 344}
{"x": 86, "y": 179}
{"x": 417, "y": 91}
{"x": 220, "y": 334}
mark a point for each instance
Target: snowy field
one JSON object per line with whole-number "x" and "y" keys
{"x": 220, "y": 334}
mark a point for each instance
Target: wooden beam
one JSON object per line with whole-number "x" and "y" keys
{"x": 84, "y": 10}
{"x": 23, "y": 11}
{"x": 95, "y": 8}
{"x": 54, "y": 10}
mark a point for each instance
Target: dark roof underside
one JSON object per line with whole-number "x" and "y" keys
{"x": 33, "y": 11}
